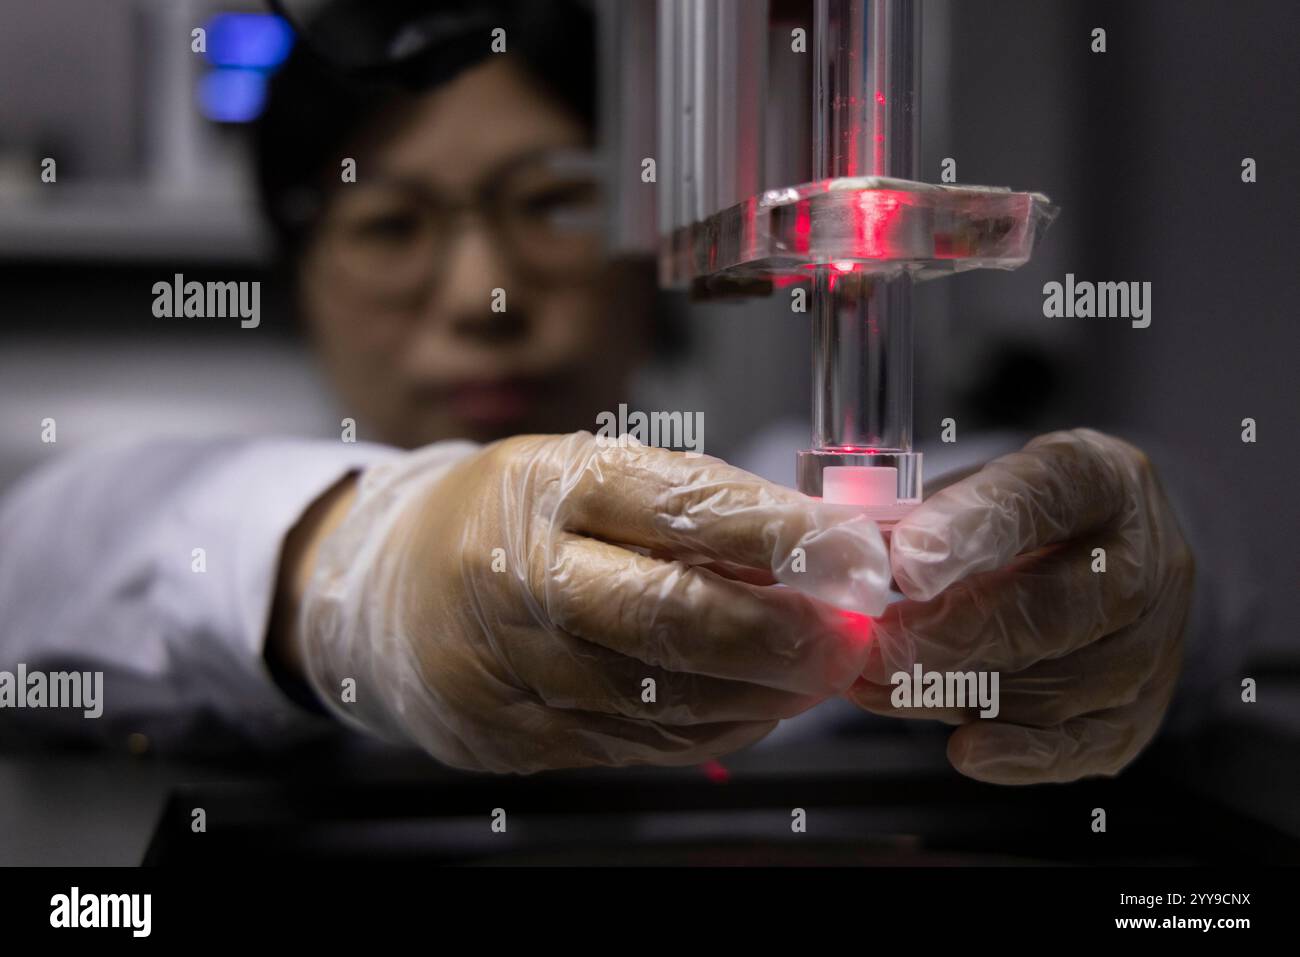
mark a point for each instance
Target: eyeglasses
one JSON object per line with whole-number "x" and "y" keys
{"x": 390, "y": 237}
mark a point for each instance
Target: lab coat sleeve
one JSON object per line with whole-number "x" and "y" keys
{"x": 155, "y": 563}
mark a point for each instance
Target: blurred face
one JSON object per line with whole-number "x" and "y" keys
{"x": 457, "y": 288}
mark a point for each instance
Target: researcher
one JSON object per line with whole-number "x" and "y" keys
{"x": 483, "y": 579}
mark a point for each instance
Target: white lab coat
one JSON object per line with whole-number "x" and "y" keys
{"x": 97, "y": 559}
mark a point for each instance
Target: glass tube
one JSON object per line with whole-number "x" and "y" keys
{"x": 865, "y": 88}
{"x": 865, "y": 109}
{"x": 862, "y": 374}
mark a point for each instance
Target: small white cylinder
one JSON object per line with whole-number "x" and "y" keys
{"x": 866, "y": 485}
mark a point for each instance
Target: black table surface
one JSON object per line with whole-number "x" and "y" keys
{"x": 1228, "y": 796}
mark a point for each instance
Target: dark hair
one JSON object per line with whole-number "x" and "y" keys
{"x": 316, "y": 111}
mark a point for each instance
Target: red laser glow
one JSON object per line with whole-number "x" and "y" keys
{"x": 715, "y": 772}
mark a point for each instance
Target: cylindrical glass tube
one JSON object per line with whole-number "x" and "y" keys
{"x": 865, "y": 109}
{"x": 866, "y": 57}
{"x": 862, "y": 369}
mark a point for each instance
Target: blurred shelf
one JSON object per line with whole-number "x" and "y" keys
{"x": 131, "y": 224}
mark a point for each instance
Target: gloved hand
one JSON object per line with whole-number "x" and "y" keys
{"x": 504, "y": 607}
{"x": 998, "y": 570}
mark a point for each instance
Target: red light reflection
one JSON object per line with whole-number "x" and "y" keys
{"x": 875, "y": 215}
{"x": 802, "y": 226}
{"x": 715, "y": 772}
{"x": 857, "y": 627}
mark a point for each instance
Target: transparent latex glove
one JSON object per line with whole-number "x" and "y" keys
{"x": 555, "y": 601}
{"x": 998, "y": 570}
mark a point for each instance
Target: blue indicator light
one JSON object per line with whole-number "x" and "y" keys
{"x": 232, "y": 96}
{"x": 254, "y": 41}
